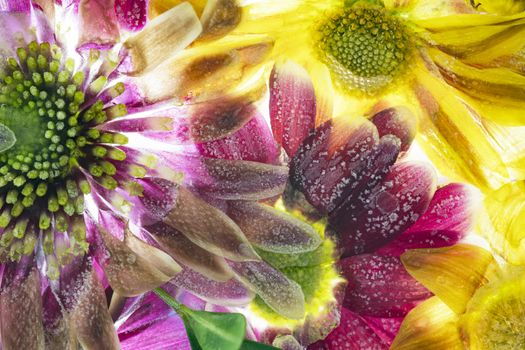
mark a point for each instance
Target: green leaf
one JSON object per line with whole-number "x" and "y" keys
{"x": 7, "y": 138}
{"x": 251, "y": 345}
{"x": 214, "y": 330}
{"x": 208, "y": 330}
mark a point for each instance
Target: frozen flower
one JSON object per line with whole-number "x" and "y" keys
{"x": 112, "y": 171}
{"x": 478, "y": 303}
{"x": 458, "y": 66}
{"x": 349, "y": 175}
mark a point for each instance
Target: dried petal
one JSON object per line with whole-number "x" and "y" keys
{"x": 162, "y": 38}
{"x": 219, "y": 17}
{"x": 292, "y": 105}
{"x": 208, "y": 227}
{"x": 283, "y": 295}
{"x": 273, "y": 230}
{"x": 186, "y": 252}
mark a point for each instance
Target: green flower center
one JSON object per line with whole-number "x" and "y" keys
{"x": 49, "y": 140}
{"x": 364, "y": 46}
{"x": 494, "y": 319}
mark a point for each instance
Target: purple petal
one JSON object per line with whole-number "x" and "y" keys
{"x": 15, "y": 27}
{"x": 168, "y": 333}
{"x": 393, "y": 207}
{"x": 273, "y": 230}
{"x": 253, "y": 142}
{"x": 283, "y": 295}
{"x": 447, "y": 220}
{"x": 148, "y": 309}
{"x": 386, "y": 328}
{"x": 15, "y": 5}
{"x": 131, "y": 14}
{"x": 397, "y": 121}
{"x": 21, "y": 317}
{"x": 353, "y": 333}
{"x": 292, "y": 105}
{"x": 326, "y": 164}
{"x": 380, "y": 286}
{"x": 230, "y": 293}
{"x": 98, "y": 23}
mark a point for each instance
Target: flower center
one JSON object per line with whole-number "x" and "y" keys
{"x": 495, "y": 317}
{"x": 364, "y": 46}
{"x": 50, "y": 149}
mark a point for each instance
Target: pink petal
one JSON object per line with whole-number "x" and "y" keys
{"x": 292, "y": 105}
{"x": 98, "y": 23}
{"x": 15, "y": 5}
{"x": 380, "y": 286}
{"x": 447, "y": 220}
{"x": 353, "y": 333}
{"x": 328, "y": 162}
{"x": 254, "y": 142}
{"x": 131, "y": 14}
{"x": 386, "y": 328}
{"x": 393, "y": 207}
{"x": 397, "y": 121}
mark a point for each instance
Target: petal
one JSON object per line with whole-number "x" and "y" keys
{"x": 292, "y": 105}
{"x": 448, "y": 219}
{"x": 21, "y": 315}
{"x": 186, "y": 252}
{"x": 386, "y": 328}
{"x": 168, "y": 333}
{"x": 228, "y": 293}
{"x": 206, "y": 72}
{"x": 431, "y": 325}
{"x": 253, "y": 142}
{"x": 219, "y": 17}
{"x": 390, "y": 209}
{"x": 379, "y": 286}
{"x": 283, "y": 295}
{"x": 15, "y": 28}
{"x": 134, "y": 267}
{"x": 98, "y": 23}
{"x": 324, "y": 165}
{"x": 131, "y": 14}
{"x": 353, "y": 333}
{"x": 143, "y": 311}
{"x": 89, "y": 309}
{"x": 287, "y": 342}
{"x": 208, "y": 227}
{"x": 162, "y": 38}
{"x": 15, "y": 6}
{"x": 273, "y": 230}
{"x": 397, "y": 121}
{"x": 452, "y": 273}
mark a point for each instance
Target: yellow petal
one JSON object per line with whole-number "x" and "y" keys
{"x": 453, "y": 136}
{"x": 452, "y": 273}
{"x": 465, "y": 20}
{"x": 158, "y": 7}
{"x": 430, "y": 326}
{"x": 504, "y": 222}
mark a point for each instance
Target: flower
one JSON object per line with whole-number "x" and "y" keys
{"x": 478, "y": 303}
{"x": 467, "y": 93}
{"x": 351, "y": 177}
{"x": 119, "y": 151}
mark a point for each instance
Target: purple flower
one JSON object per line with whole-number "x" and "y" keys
{"x": 116, "y": 166}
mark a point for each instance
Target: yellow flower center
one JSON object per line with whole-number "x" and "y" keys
{"x": 494, "y": 319}
{"x": 364, "y": 46}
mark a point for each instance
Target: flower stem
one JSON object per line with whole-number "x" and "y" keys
{"x": 168, "y": 299}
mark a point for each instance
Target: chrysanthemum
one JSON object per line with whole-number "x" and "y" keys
{"x": 370, "y": 204}
{"x": 81, "y": 202}
{"x": 478, "y": 304}
{"x": 459, "y": 69}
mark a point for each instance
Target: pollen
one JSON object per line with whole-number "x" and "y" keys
{"x": 364, "y": 46}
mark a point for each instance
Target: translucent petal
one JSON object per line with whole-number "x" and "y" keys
{"x": 452, "y": 273}
{"x": 98, "y": 23}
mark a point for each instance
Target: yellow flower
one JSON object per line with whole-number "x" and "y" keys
{"x": 477, "y": 305}
{"x": 461, "y": 70}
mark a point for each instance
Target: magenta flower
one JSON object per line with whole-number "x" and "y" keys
{"x": 86, "y": 202}
{"x": 351, "y": 173}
